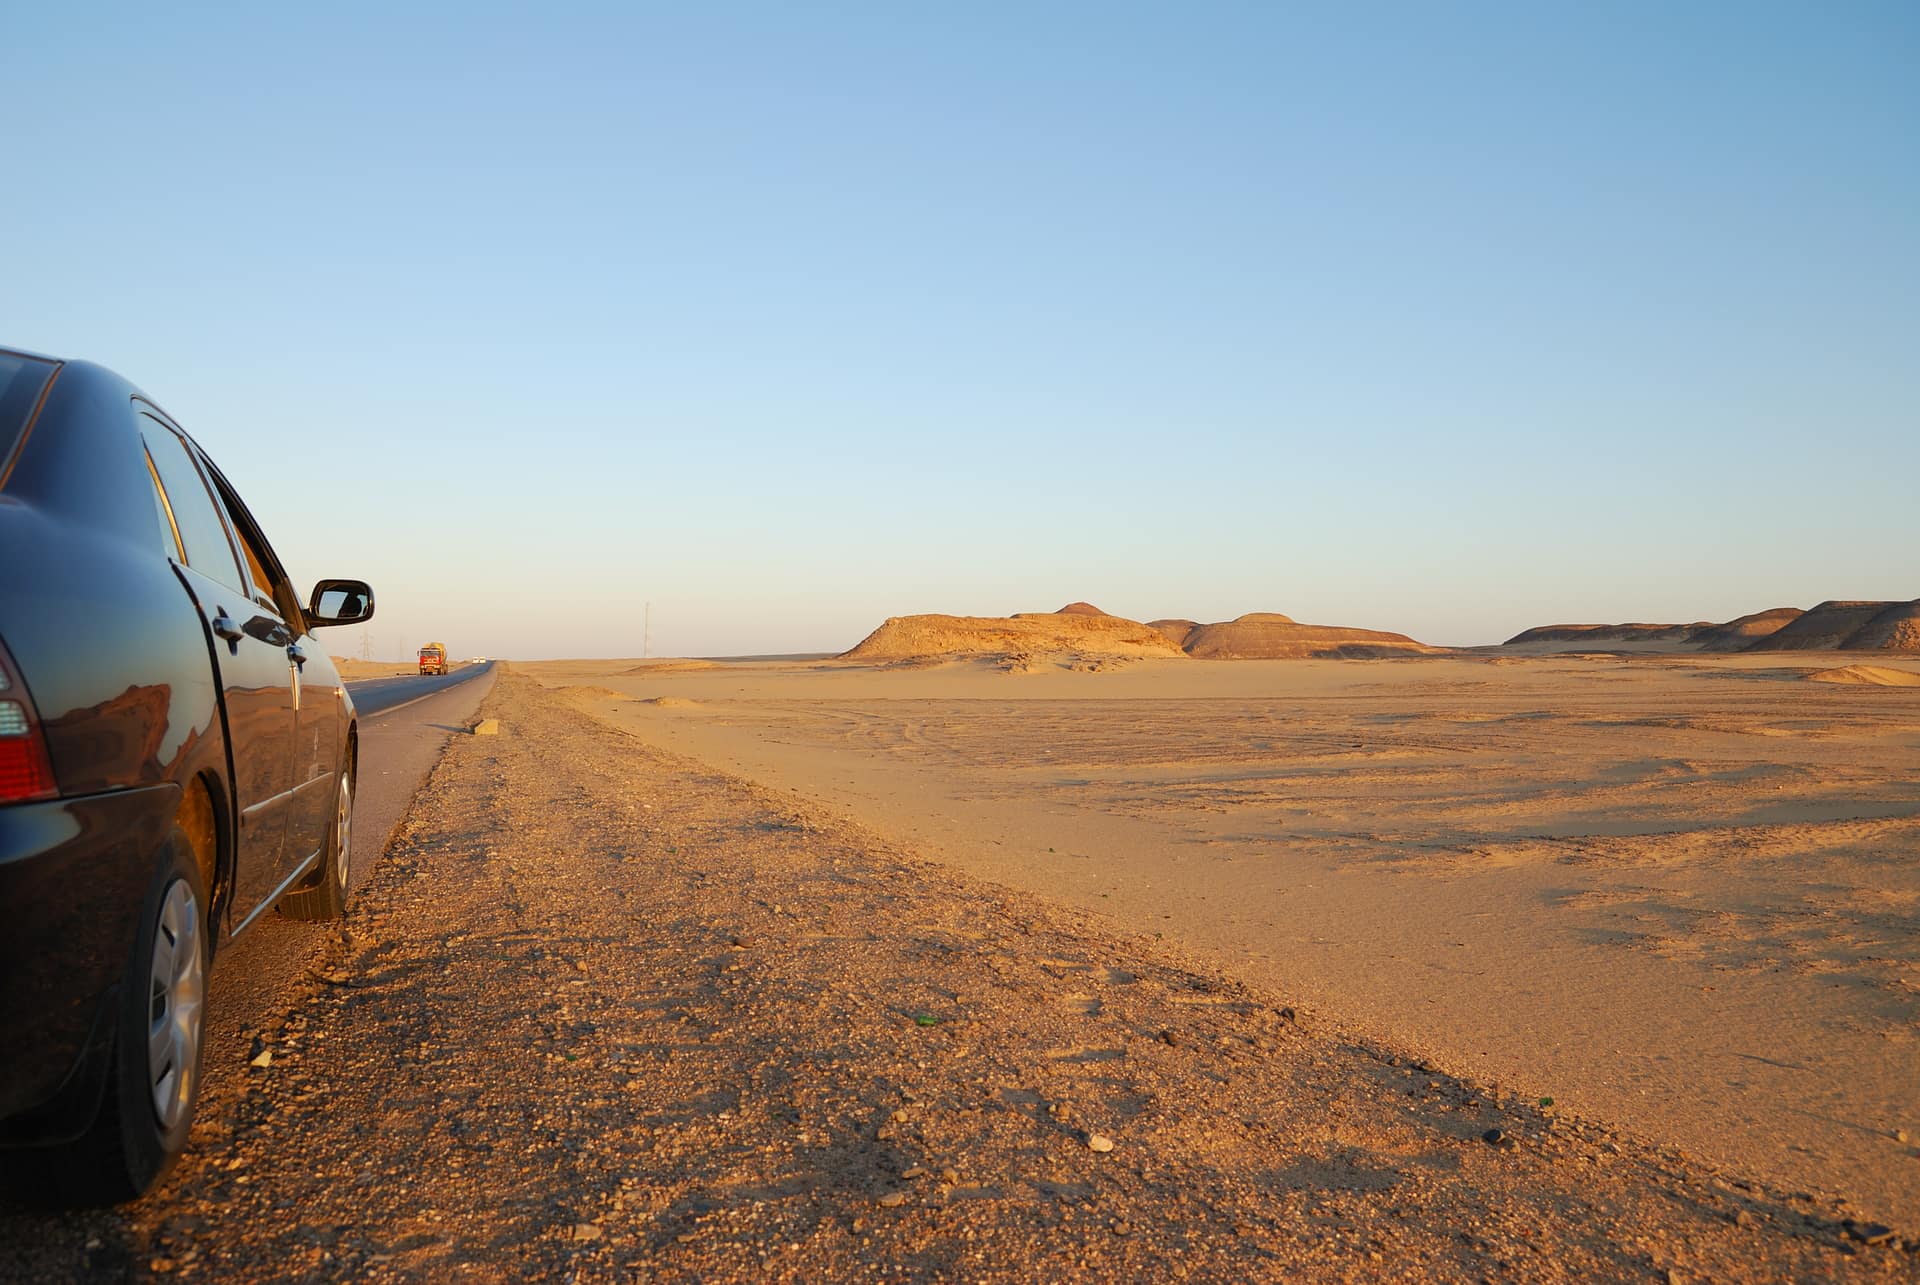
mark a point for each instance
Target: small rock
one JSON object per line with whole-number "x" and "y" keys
{"x": 586, "y": 1231}
{"x": 1496, "y": 1138}
{"x": 1122, "y": 1228}
{"x": 893, "y": 1200}
{"x": 917, "y": 1171}
{"x": 580, "y": 965}
{"x": 1868, "y": 1233}
{"x": 1099, "y": 1142}
{"x": 487, "y": 727}
{"x": 263, "y": 1059}
{"x": 899, "y": 1117}
{"x": 162, "y": 1265}
{"x": 1169, "y": 1038}
{"x": 1900, "y": 1135}
{"x": 950, "y": 1176}
{"x": 1286, "y": 1015}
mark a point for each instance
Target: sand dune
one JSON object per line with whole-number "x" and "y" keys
{"x": 669, "y": 667}
{"x": 1269, "y": 636}
{"x": 1867, "y": 675}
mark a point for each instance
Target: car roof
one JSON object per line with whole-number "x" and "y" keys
{"x": 28, "y": 352}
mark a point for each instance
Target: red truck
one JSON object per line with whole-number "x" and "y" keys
{"x": 433, "y": 658}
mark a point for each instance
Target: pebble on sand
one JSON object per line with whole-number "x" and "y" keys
{"x": 1099, "y": 1142}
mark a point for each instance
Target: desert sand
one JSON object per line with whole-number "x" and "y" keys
{"x": 606, "y": 1013}
{"x": 1679, "y": 895}
{"x": 355, "y": 670}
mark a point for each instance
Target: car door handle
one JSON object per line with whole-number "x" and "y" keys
{"x": 295, "y": 655}
{"x": 224, "y": 626}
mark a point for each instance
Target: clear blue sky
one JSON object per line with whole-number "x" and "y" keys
{"x": 1450, "y": 319}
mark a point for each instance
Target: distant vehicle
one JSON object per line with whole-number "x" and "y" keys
{"x": 433, "y": 658}
{"x": 177, "y": 756}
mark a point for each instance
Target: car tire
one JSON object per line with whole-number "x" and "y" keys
{"x": 153, "y": 1067}
{"x": 327, "y": 898}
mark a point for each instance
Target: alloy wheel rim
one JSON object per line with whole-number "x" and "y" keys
{"x": 176, "y": 995}
{"x": 343, "y": 836}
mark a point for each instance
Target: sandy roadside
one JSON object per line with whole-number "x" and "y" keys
{"x": 606, "y": 1013}
{"x": 1675, "y": 893}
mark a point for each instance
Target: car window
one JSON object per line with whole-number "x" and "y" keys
{"x": 169, "y": 532}
{"x": 261, "y": 583}
{"x": 202, "y": 533}
{"x": 257, "y": 558}
{"x": 22, "y": 380}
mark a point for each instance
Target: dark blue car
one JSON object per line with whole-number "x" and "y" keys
{"x": 177, "y": 758}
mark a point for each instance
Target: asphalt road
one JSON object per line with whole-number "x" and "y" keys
{"x": 374, "y": 695}
{"x": 405, "y": 724}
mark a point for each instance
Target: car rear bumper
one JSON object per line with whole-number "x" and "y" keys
{"x": 73, "y": 876}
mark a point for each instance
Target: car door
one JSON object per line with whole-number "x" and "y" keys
{"x": 249, "y": 643}
{"x": 316, "y": 710}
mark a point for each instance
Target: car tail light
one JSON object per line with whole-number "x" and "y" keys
{"x": 25, "y": 773}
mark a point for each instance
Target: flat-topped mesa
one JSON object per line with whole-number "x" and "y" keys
{"x": 1632, "y": 632}
{"x": 918, "y": 637}
{"x": 1270, "y": 636}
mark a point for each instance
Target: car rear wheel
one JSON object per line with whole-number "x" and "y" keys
{"x": 153, "y": 1076}
{"x": 327, "y": 898}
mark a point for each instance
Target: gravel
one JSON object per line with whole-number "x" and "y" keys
{"x": 605, "y": 1014}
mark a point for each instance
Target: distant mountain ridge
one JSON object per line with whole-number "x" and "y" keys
{"x": 1835, "y": 625}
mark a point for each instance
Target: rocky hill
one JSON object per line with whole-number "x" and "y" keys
{"x": 928, "y": 636}
{"x": 1831, "y": 626}
{"x": 1850, "y": 626}
{"x": 1741, "y": 633}
{"x": 1081, "y": 629}
{"x": 1269, "y": 636}
{"x": 1598, "y": 634}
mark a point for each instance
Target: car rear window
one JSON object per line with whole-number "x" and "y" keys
{"x": 21, "y": 381}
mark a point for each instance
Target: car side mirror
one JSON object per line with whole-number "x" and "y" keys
{"x": 340, "y": 602}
